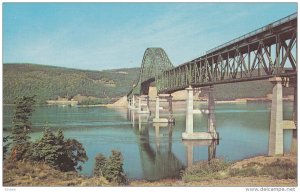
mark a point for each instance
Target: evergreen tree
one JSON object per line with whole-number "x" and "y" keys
{"x": 75, "y": 154}
{"x": 100, "y": 166}
{"x": 21, "y": 126}
{"x": 5, "y": 146}
{"x": 46, "y": 149}
{"x": 61, "y": 151}
{"x": 115, "y": 172}
{"x": 61, "y": 154}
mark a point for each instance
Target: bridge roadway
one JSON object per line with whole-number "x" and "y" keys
{"x": 266, "y": 53}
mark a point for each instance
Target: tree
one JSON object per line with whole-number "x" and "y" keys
{"x": 59, "y": 153}
{"x": 100, "y": 165}
{"x": 5, "y": 146}
{"x": 114, "y": 166}
{"x": 75, "y": 153}
{"x": 21, "y": 126}
{"x": 46, "y": 149}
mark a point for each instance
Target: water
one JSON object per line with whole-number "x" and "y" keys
{"x": 158, "y": 152}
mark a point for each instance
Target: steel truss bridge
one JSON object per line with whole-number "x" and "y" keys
{"x": 261, "y": 54}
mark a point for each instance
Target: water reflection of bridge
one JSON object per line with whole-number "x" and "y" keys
{"x": 157, "y": 158}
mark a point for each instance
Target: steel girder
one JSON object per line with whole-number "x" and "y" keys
{"x": 155, "y": 61}
{"x": 267, "y": 53}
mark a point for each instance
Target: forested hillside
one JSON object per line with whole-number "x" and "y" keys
{"x": 49, "y": 82}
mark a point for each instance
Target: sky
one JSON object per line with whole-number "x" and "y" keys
{"x": 98, "y": 36}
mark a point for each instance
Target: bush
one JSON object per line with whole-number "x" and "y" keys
{"x": 57, "y": 152}
{"x": 205, "y": 170}
{"x": 100, "y": 163}
{"x": 111, "y": 168}
{"x": 280, "y": 169}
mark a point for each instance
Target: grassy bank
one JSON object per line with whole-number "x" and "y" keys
{"x": 256, "y": 171}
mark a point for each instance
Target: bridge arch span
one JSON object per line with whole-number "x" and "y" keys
{"x": 155, "y": 61}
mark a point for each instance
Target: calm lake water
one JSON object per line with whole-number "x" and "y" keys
{"x": 155, "y": 152}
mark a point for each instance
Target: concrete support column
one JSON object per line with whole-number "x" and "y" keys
{"x": 133, "y": 118}
{"x": 129, "y": 102}
{"x": 189, "y": 126}
{"x": 294, "y": 144}
{"x": 140, "y": 104}
{"x": 157, "y": 118}
{"x": 157, "y": 138}
{"x": 211, "y": 126}
{"x": 276, "y": 124}
{"x": 148, "y": 104}
{"x": 170, "y": 127}
{"x": 157, "y": 108}
{"x": 133, "y": 101}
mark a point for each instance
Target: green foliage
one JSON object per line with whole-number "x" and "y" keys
{"x": 21, "y": 126}
{"x": 5, "y": 146}
{"x": 46, "y": 149}
{"x": 205, "y": 170}
{"x": 75, "y": 154}
{"x": 99, "y": 167}
{"x": 58, "y": 153}
{"x": 50, "y": 82}
{"x": 115, "y": 168}
{"x": 111, "y": 168}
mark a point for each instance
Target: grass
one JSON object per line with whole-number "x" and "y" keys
{"x": 279, "y": 169}
{"x": 216, "y": 172}
{"x": 215, "y": 169}
{"x": 220, "y": 169}
{"x": 39, "y": 174}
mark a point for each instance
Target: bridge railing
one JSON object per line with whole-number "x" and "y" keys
{"x": 255, "y": 32}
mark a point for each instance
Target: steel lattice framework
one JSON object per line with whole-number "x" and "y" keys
{"x": 264, "y": 53}
{"x": 155, "y": 61}
{"x": 267, "y": 52}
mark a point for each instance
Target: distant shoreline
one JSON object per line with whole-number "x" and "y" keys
{"x": 111, "y": 105}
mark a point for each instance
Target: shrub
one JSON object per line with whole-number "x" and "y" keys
{"x": 100, "y": 163}
{"x": 5, "y": 146}
{"x": 279, "y": 169}
{"x": 58, "y": 153}
{"x": 214, "y": 169}
{"x": 111, "y": 168}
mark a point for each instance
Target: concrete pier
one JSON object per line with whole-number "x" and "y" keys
{"x": 276, "y": 122}
{"x": 189, "y": 133}
{"x": 143, "y": 104}
{"x": 189, "y": 124}
{"x": 189, "y": 147}
{"x": 159, "y": 99}
{"x": 211, "y": 117}
{"x": 294, "y": 144}
{"x": 132, "y": 105}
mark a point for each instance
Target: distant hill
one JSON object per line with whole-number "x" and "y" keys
{"x": 48, "y": 82}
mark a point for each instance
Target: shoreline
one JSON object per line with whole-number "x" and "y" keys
{"x": 112, "y": 105}
{"x": 57, "y": 178}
